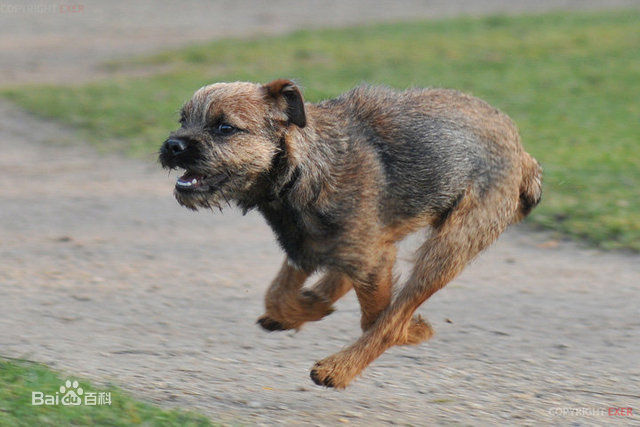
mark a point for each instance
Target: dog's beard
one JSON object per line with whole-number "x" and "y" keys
{"x": 212, "y": 191}
{"x": 202, "y": 185}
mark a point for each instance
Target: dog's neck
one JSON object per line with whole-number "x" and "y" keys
{"x": 310, "y": 165}
{"x": 299, "y": 172}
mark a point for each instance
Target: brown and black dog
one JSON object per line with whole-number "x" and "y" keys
{"x": 341, "y": 181}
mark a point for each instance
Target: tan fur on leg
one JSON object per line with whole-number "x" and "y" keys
{"x": 374, "y": 294}
{"x": 471, "y": 227}
{"x": 288, "y": 307}
{"x": 282, "y": 302}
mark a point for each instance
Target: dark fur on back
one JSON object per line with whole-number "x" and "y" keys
{"x": 429, "y": 158}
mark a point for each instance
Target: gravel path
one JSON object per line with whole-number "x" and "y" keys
{"x": 102, "y": 275}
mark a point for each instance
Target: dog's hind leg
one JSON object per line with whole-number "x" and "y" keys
{"x": 374, "y": 286}
{"x": 469, "y": 228}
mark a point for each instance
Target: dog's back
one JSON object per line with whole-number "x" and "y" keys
{"x": 435, "y": 143}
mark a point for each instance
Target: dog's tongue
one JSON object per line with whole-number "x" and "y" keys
{"x": 189, "y": 179}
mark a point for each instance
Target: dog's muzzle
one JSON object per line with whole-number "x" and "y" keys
{"x": 173, "y": 153}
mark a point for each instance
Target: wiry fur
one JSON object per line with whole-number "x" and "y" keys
{"x": 341, "y": 181}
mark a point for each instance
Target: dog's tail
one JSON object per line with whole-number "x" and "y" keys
{"x": 530, "y": 186}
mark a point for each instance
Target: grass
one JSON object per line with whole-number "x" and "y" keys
{"x": 19, "y": 378}
{"x": 569, "y": 80}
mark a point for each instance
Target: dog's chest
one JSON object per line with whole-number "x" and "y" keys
{"x": 308, "y": 237}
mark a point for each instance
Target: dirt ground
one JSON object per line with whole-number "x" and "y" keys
{"x": 103, "y": 276}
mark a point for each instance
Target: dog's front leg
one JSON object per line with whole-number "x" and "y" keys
{"x": 373, "y": 285}
{"x": 283, "y": 310}
{"x": 288, "y": 306}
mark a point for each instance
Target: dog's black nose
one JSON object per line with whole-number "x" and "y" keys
{"x": 175, "y": 146}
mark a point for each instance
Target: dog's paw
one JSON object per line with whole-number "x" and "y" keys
{"x": 320, "y": 379}
{"x": 307, "y": 306}
{"x": 271, "y": 324}
{"x": 417, "y": 331}
{"x": 332, "y": 372}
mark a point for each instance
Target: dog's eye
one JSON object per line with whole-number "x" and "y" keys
{"x": 225, "y": 129}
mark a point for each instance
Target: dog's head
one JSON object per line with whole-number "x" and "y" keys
{"x": 229, "y": 138}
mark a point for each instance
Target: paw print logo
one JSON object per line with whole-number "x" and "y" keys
{"x": 71, "y": 393}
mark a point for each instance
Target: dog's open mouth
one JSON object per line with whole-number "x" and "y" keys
{"x": 192, "y": 182}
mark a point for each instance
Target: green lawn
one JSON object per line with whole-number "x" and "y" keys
{"x": 570, "y": 81}
{"x": 19, "y": 379}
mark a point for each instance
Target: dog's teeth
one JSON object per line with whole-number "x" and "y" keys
{"x": 193, "y": 181}
{"x": 184, "y": 183}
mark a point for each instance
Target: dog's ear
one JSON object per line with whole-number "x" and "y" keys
{"x": 288, "y": 97}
